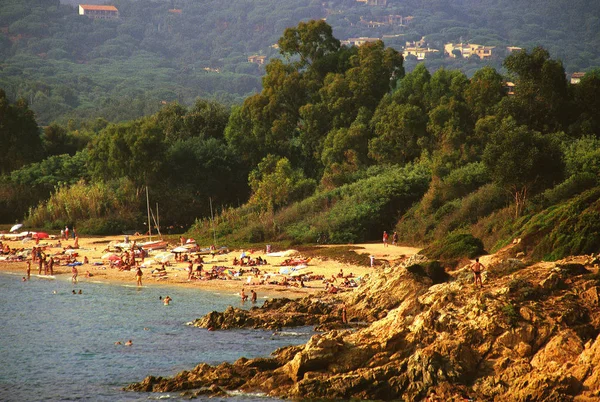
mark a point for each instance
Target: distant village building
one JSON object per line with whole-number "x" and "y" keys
{"x": 257, "y": 59}
{"x": 576, "y": 77}
{"x": 511, "y": 49}
{"x": 358, "y": 41}
{"x": 467, "y": 50}
{"x": 98, "y": 11}
{"x": 385, "y": 20}
{"x": 509, "y": 88}
{"x": 419, "y": 52}
{"x": 373, "y": 2}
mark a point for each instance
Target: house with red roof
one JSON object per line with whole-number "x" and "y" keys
{"x": 98, "y": 11}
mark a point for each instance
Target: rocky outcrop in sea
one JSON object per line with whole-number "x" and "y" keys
{"x": 530, "y": 334}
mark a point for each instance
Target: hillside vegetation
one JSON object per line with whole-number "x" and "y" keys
{"x": 339, "y": 145}
{"x": 70, "y": 67}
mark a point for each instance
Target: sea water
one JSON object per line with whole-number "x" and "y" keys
{"x": 60, "y": 346}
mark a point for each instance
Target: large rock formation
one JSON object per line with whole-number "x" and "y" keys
{"x": 531, "y": 334}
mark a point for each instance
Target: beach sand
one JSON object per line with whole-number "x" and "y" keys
{"x": 94, "y": 248}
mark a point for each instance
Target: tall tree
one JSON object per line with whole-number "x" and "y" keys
{"x": 20, "y": 138}
{"x": 541, "y": 97}
{"x": 522, "y": 160}
{"x": 484, "y": 92}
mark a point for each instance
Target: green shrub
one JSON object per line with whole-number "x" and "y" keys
{"x": 511, "y": 315}
{"x": 101, "y": 226}
{"x": 569, "y": 228}
{"x": 455, "y": 246}
{"x": 351, "y": 213}
{"x": 574, "y": 185}
{"x": 86, "y": 206}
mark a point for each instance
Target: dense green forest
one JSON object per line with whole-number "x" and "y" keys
{"x": 72, "y": 68}
{"x": 340, "y": 144}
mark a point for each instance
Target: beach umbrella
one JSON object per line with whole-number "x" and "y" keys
{"x": 180, "y": 249}
{"x": 16, "y": 227}
{"x": 110, "y": 257}
{"x": 284, "y": 270}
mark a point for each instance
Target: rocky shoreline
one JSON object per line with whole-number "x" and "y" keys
{"x": 530, "y": 334}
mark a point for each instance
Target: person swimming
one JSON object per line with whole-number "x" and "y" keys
{"x": 129, "y": 343}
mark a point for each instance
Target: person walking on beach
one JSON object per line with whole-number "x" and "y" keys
{"x": 395, "y": 239}
{"x": 138, "y": 276}
{"x": 74, "y": 272}
{"x": 385, "y": 238}
{"x": 477, "y": 267}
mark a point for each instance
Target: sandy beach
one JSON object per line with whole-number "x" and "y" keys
{"x": 95, "y": 247}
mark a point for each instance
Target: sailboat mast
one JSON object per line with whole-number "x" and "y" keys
{"x": 158, "y": 222}
{"x": 148, "y": 207}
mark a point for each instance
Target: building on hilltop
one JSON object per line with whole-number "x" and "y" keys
{"x": 98, "y": 12}
{"x": 467, "y": 50}
{"x": 373, "y": 2}
{"x": 257, "y": 59}
{"x": 421, "y": 53}
{"x": 576, "y": 77}
{"x": 358, "y": 41}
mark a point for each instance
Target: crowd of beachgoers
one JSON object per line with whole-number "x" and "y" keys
{"x": 182, "y": 262}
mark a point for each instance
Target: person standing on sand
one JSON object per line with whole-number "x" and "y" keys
{"x": 477, "y": 267}
{"x": 51, "y": 266}
{"x": 385, "y": 238}
{"x": 41, "y": 261}
{"x": 66, "y": 233}
{"x": 190, "y": 270}
{"x": 344, "y": 314}
{"x": 138, "y": 276}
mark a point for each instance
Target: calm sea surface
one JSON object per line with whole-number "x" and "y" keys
{"x": 59, "y": 346}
